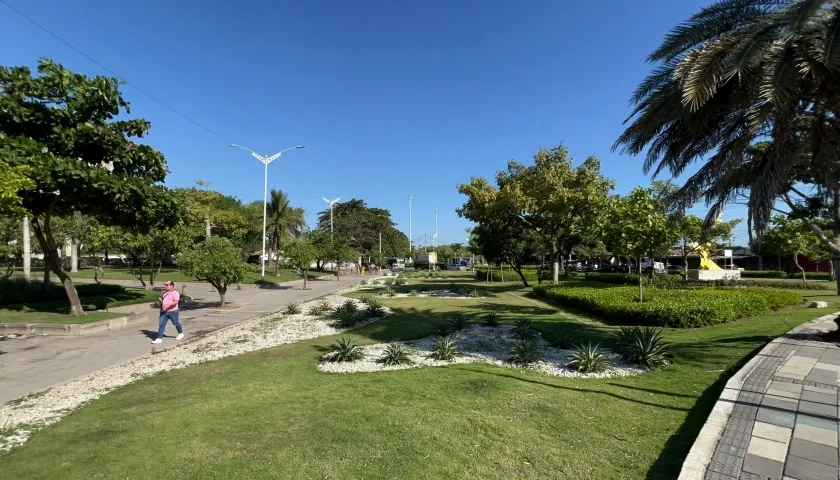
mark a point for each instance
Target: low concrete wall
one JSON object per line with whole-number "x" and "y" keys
{"x": 711, "y": 275}
{"x": 73, "y": 329}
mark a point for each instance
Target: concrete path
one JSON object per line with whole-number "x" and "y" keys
{"x": 783, "y": 419}
{"x": 29, "y": 365}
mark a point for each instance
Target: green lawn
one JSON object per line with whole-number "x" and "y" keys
{"x": 272, "y": 414}
{"x": 58, "y": 311}
{"x": 174, "y": 274}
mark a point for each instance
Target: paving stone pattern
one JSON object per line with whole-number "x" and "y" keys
{"x": 784, "y": 424}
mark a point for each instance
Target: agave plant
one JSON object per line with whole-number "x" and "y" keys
{"x": 322, "y": 307}
{"x": 344, "y": 350}
{"x": 347, "y": 318}
{"x": 442, "y": 327}
{"x": 459, "y": 322}
{"x": 375, "y": 309}
{"x": 388, "y": 291}
{"x": 562, "y": 337}
{"x": 396, "y": 354}
{"x": 491, "y": 319}
{"x": 588, "y": 359}
{"x": 525, "y": 352}
{"x": 412, "y": 292}
{"x": 366, "y": 299}
{"x": 523, "y": 329}
{"x": 643, "y": 346}
{"x": 292, "y": 308}
{"x": 474, "y": 294}
{"x": 445, "y": 349}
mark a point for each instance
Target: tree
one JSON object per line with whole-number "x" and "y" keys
{"x": 300, "y": 254}
{"x": 215, "y": 261}
{"x": 505, "y": 243}
{"x": 638, "y": 226}
{"x": 11, "y": 245}
{"x": 13, "y": 179}
{"x": 283, "y": 223}
{"x": 790, "y": 237}
{"x": 562, "y": 204}
{"x": 361, "y": 226}
{"x": 735, "y": 75}
{"x": 694, "y": 235}
{"x": 62, "y": 129}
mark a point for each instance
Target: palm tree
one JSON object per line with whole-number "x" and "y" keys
{"x": 751, "y": 87}
{"x": 283, "y": 223}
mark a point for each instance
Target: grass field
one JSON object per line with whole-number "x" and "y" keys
{"x": 174, "y": 274}
{"x": 59, "y": 311}
{"x": 272, "y": 414}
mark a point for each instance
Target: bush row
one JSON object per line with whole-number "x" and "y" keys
{"x": 678, "y": 308}
{"x": 781, "y": 274}
{"x": 511, "y": 276}
{"x": 675, "y": 281}
{"x": 19, "y": 290}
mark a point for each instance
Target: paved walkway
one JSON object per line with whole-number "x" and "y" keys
{"x": 29, "y": 365}
{"x": 784, "y": 421}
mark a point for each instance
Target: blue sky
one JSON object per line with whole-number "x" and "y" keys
{"x": 390, "y": 98}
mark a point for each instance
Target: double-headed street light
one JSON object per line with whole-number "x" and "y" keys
{"x": 265, "y": 161}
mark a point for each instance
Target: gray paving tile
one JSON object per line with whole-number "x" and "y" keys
{"x": 810, "y": 352}
{"x": 779, "y": 403}
{"x": 819, "y": 381}
{"x": 787, "y": 387}
{"x": 833, "y": 360}
{"x": 718, "y": 476}
{"x": 750, "y": 476}
{"x": 816, "y": 421}
{"x": 776, "y": 417}
{"x": 769, "y": 469}
{"x": 733, "y": 447}
{"x": 818, "y": 409}
{"x": 817, "y": 397}
{"x": 803, "y": 469}
{"x": 813, "y": 451}
{"x": 726, "y": 464}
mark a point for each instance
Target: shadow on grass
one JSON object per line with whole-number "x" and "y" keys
{"x": 88, "y": 303}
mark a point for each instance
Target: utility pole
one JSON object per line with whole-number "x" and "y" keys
{"x": 410, "y": 245}
{"x": 379, "y": 263}
{"x": 27, "y": 250}
{"x": 436, "y": 228}
{"x": 331, "y": 203}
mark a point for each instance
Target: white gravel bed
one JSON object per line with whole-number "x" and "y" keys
{"x": 427, "y": 293}
{"x": 21, "y": 418}
{"x": 479, "y": 343}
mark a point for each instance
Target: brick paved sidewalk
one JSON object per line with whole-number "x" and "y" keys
{"x": 784, "y": 423}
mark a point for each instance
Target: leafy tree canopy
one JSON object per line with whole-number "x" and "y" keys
{"x": 361, "y": 226}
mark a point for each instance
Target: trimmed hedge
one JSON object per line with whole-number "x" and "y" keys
{"x": 763, "y": 274}
{"x": 673, "y": 281}
{"x": 18, "y": 290}
{"x": 511, "y": 276}
{"x": 810, "y": 275}
{"x": 677, "y": 308}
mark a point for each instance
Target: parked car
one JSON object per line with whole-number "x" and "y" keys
{"x": 675, "y": 269}
{"x": 648, "y": 264}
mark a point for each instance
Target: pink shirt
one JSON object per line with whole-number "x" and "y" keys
{"x": 170, "y": 301}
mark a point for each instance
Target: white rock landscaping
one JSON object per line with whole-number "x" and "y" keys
{"x": 479, "y": 343}
{"x": 20, "y": 419}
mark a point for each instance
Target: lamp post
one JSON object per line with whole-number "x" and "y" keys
{"x": 436, "y": 228}
{"x": 410, "y": 244}
{"x": 265, "y": 161}
{"x": 331, "y": 203}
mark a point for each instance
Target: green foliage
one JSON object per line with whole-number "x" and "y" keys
{"x": 300, "y": 254}
{"x": 674, "y": 281}
{"x": 17, "y": 290}
{"x": 374, "y": 309}
{"x": 511, "y": 276}
{"x": 763, "y": 274}
{"x": 474, "y": 294}
{"x": 319, "y": 308}
{"x": 412, "y": 292}
{"x": 491, "y": 319}
{"x": 524, "y": 352}
{"x": 389, "y": 292}
{"x": 777, "y": 299}
{"x": 643, "y": 346}
{"x": 523, "y": 329}
{"x": 400, "y": 281}
{"x": 445, "y": 349}
{"x": 459, "y": 322}
{"x": 588, "y": 359}
{"x": 810, "y": 276}
{"x": 389, "y": 282}
{"x": 12, "y": 180}
{"x": 363, "y": 283}
{"x": 292, "y": 308}
{"x": 366, "y": 299}
{"x": 442, "y": 327}
{"x": 396, "y": 354}
{"x": 344, "y": 350}
{"x": 348, "y": 306}
{"x": 562, "y": 337}
{"x": 362, "y": 225}
{"x": 678, "y": 308}
{"x": 216, "y": 261}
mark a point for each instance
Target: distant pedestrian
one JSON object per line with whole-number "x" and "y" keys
{"x": 169, "y": 311}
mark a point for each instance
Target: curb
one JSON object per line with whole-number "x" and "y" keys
{"x": 698, "y": 459}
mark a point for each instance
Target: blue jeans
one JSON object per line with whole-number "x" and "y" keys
{"x": 164, "y": 319}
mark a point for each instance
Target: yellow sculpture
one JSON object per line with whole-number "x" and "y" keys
{"x": 706, "y": 262}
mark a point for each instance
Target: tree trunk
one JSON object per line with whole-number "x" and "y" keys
{"x": 796, "y": 262}
{"x": 685, "y": 262}
{"x": 832, "y": 274}
{"x": 207, "y": 226}
{"x": 51, "y": 258}
{"x": 555, "y": 267}
{"x": 222, "y": 292}
{"x": 502, "y": 271}
{"x": 46, "y": 283}
{"x": 74, "y": 256}
{"x": 27, "y": 250}
{"x": 641, "y": 286}
{"x": 518, "y": 270}
{"x": 304, "y": 279}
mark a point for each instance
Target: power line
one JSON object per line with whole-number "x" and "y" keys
{"x": 140, "y": 90}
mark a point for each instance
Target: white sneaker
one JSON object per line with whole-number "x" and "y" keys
{"x": 180, "y": 336}
{"x": 157, "y": 340}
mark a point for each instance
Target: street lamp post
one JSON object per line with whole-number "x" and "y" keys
{"x": 410, "y": 244}
{"x": 265, "y": 161}
{"x": 331, "y": 203}
{"x": 436, "y": 228}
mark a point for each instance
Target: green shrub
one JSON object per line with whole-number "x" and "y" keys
{"x": 643, "y": 346}
{"x": 675, "y": 281}
{"x": 396, "y": 354}
{"x": 319, "y": 308}
{"x": 344, "y": 350}
{"x": 777, "y": 299}
{"x": 525, "y": 352}
{"x": 348, "y": 318}
{"x": 401, "y": 281}
{"x": 763, "y": 274}
{"x": 445, "y": 349}
{"x": 363, "y": 282}
{"x": 16, "y": 290}
{"x": 530, "y": 275}
{"x": 459, "y": 322}
{"x": 442, "y": 327}
{"x": 588, "y": 359}
{"x": 389, "y": 281}
{"x": 366, "y": 299}
{"x": 388, "y": 292}
{"x": 374, "y": 309}
{"x": 809, "y": 275}
{"x": 679, "y": 308}
{"x": 491, "y": 320}
{"x": 563, "y": 337}
{"x": 523, "y": 329}
{"x": 412, "y": 292}
{"x": 292, "y": 308}
{"x": 474, "y": 294}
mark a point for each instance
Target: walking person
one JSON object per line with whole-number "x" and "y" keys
{"x": 169, "y": 311}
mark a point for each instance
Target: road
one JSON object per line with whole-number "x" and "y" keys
{"x": 29, "y": 365}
